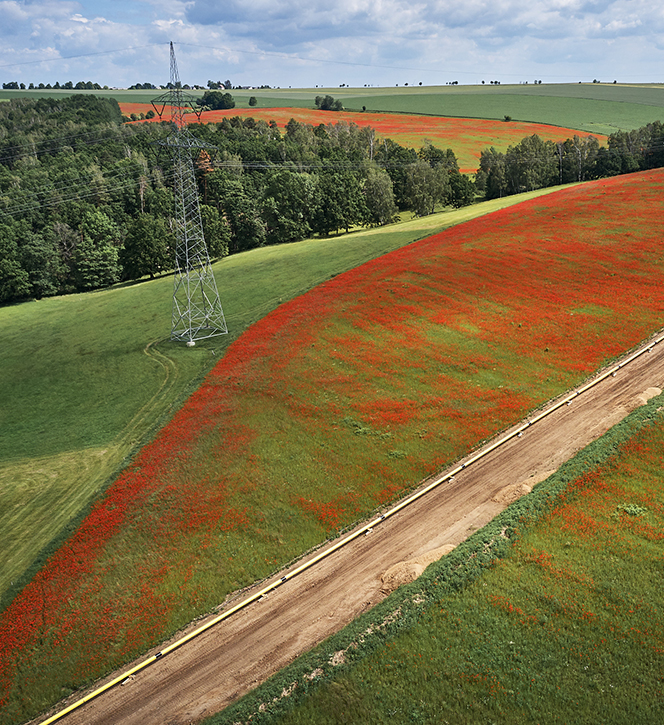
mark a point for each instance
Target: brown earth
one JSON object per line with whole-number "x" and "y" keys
{"x": 236, "y": 655}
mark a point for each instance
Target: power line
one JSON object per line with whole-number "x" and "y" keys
{"x": 33, "y": 206}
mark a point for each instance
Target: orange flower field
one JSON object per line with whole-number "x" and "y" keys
{"x": 467, "y": 137}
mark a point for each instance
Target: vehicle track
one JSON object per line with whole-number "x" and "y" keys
{"x": 230, "y": 659}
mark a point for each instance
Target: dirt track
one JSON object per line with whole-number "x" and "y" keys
{"x": 233, "y": 657}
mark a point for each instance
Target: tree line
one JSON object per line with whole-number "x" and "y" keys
{"x": 86, "y": 201}
{"x": 535, "y": 164}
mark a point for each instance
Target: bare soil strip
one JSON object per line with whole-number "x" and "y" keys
{"x": 232, "y": 658}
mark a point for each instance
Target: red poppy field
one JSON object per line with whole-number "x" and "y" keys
{"x": 334, "y": 403}
{"x": 465, "y": 136}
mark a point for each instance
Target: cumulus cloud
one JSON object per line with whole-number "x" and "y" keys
{"x": 303, "y": 42}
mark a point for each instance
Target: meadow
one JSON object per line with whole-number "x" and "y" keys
{"x": 74, "y": 364}
{"x": 466, "y": 137}
{"x": 369, "y": 382}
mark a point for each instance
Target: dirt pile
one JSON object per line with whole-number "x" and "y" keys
{"x": 407, "y": 571}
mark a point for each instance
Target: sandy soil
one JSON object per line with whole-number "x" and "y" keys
{"x": 233, "y": 657}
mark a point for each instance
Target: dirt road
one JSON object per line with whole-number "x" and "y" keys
{"x": 236, "y": 655}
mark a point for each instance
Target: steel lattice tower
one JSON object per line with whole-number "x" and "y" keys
{"x": 197, "y": 312}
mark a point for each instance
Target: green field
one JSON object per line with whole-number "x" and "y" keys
{"x": 594, "y": 107}
{"x": 94, "y": 375}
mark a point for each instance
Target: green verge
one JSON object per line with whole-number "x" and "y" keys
{"x": 335, "y": 683}
{"x": 94, "y": 377}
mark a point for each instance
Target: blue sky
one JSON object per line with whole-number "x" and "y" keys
{"x": 303, "y": 43}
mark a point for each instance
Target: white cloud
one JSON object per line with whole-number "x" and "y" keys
{"x": 308, "y": 42}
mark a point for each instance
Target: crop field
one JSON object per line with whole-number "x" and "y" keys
{"x": 332, "y": 404}
{"x": 466, "y": 137}
{"x": 568, "y": 625}
{"x": 597, "y": 108}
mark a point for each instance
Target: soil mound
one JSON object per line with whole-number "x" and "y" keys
{"x": 407, "y": 571}
{"x": 646, "y": 395}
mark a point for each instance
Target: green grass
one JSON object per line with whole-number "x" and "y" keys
{"x": 88, "y": 378}
{"x": 563, "y": 624}
{"x": 597, "y": 108}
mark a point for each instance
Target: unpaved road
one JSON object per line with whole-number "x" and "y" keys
{"x": 233, "y": 657}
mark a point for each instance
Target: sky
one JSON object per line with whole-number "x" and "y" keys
{"x": 327, "y": 43}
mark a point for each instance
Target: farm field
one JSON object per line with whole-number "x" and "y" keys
{"x": 368, "y": 383}
{"x": 466, "y": 137}
{"x": 568, "y": 624}
{"x": 595, "y": 108}
{"x": 82, "y": 349}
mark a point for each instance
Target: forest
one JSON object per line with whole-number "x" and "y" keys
{"x": 86, "y": 200}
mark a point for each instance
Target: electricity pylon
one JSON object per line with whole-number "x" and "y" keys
{"x": 197, "y": 312}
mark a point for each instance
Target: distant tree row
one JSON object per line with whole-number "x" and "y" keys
{"x": 534, "y": 163}
{"x": 69, "y": 85}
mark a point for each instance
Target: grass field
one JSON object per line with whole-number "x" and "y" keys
{"x": 596, "y": 108}
{"x": 466, "y": 137}
{"x": 69, "y": 417}
{"x": 369, "y": 382}
{"x": 568, "y": 627}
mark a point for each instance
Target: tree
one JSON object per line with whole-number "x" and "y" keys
{"x": 216, "y": 230}
{"x": 327, "y": 103}
{"x": 253, "y": 101}
{"x": 40, "y": 258}
{"x": 238, "y": 206}
{"x": 379, "y": 198}
{"x": 340, "y": 201}
{"x": 95, "y": 266}
{"x": 437, "y": 157}
{"x": 14, "y": 280}
{"x": 148, "y": 248}
{"x": 490, "y": 177}
{"x": 216, "y": 100}
{"x": 531, "y": 164}
{"x": 396, "y": 160}
{"x": 95, "y": 260}
{"x": 426, "y": 187}
{"x": 462, "y": 190}
{"x": 577, "y": 157}
{"x": 288, "y": 199}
